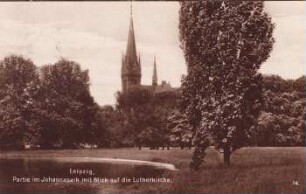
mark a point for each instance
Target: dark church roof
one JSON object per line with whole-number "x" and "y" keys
{"x": 164, "y": 87}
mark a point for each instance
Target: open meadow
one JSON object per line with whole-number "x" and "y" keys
{"x": 253, "y": 170}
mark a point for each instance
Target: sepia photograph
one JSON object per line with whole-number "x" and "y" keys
{"x": 203, "y": 96}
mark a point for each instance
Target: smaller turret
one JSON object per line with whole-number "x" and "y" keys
{"x": 154, "y": 78}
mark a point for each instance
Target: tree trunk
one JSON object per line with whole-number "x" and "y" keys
{"x": 182, "y": 145}
{"x": 227, "y": 155}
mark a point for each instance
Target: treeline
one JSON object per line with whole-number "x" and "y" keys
{"x": 46, "y": 107}
{"x": 282, "y": 120}
{"x": 51, "y": 107}
{"x": 142, "y": 118}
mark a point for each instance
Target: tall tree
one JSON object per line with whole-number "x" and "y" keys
{"x": 70, "y": 109}
{"x": 224, "y": 44}
{"x": 19, "y": 91}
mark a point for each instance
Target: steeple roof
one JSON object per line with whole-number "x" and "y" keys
{"x": 131, "y": 43}
{"x": 154, "y": 78}
{"x": 130, "y": 61}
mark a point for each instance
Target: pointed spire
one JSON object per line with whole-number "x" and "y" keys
{"x": 154, "y": 78}
{"x": 131, "y": 44}
{"x": 131, "y": 68}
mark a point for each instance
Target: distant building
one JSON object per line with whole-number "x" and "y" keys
{"x": 131, "y": 68}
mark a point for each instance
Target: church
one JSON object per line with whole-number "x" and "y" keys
{"x": 131, "y": 68}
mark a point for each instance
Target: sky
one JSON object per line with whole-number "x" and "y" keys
{"x": 94, "y": 34}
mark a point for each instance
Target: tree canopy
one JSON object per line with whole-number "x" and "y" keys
{"x": 70, "y": 108}
{"x": 224, "y": 44}
{"x": 47, "y": 106}
{"x": 19, "y": 89}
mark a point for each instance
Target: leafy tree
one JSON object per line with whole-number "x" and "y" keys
{"x": 281, "y": 120}
{"x": 157, "y": 134}
{"x": 117, "y": 129}
{"x": 146, "y": 116}
{"x": 109, "y": 121}
{"x": 137, "y": 106}
{"x": 276, "y": 84}
{"x": 70, "y": 109}
{"x": 19, "y": 89}
{"x": 181, "y": 132}
{"x": 299, "y": 84}
{"x": 224, "y": 44}
{"x": 151, "y": 137}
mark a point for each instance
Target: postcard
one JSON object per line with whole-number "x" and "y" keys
{"x": 199, "y": 96}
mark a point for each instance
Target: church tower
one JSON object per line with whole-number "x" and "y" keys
{"x": 131, "y": 67}
{"x": 154, "y": 77}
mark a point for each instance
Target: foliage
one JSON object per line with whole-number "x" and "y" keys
{"x": 70, "y": 109}
{"x": 116, "y": 130}
{"x": 224, "y": 44}
{"x": 19, "y": 89}
{"x": 157, "y": 133}
{"x": 151, "y": 137}
{"x": 146, "y": 116}
{"x": 281, "y": 121}
{"x": 181, "y": 132}
{"x": 136, "y": 106}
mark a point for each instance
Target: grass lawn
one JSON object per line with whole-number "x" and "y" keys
{"x": 253, "y": 170}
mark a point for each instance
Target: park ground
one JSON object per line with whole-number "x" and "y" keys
{"x": 252, "y": 170}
